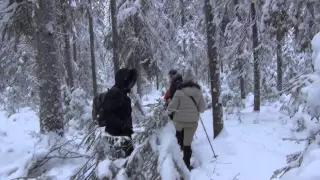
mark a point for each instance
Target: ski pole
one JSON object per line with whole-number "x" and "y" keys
{"x": 208, "y": 138}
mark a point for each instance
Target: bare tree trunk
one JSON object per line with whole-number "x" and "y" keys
{"x": 240, "y": 64}
{"x": 223, "y": 26}
{"x": 138, "y": 54}
{"x": 311, "y": 23}
{"x": 68, "y": 61}
{"x": 66, "y": 34}
{"x": 48, "y": 70}
{"x": 279, "y": 62}
{"x": 255, "y": 59}
{"x": 63, "y": 24}
{"x": 183, "y": 21}
{"x": 242, "y": 86}
{"x": 74, "y": 48}
{"x": 115, "y": 39}
{"x": 4, "y": 32}
{"x": 157, "y": 79}
{"x": 297, "y": 16}
{"x": 93, "y": 57}
{"x": 139, "y": 83}
{"x": 16, "y": 42}
{"x": 243, "y": 92}
{"x": 214, "y": 69}
{"x": 74, "y": 37}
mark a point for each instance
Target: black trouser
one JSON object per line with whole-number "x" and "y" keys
{"x": 180, "y": 136}
{"x": 187, "y": 152}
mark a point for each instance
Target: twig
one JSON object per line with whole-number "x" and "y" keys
{"x": 89, "y": 175}
{"x": 236, "y": 176}
{"x": 47, "y": 157}
{"x": 23, "y": 178}
{"x": 68, "y": 157}
{"x": 297, "y": 140}
{"x": 295, "y": 161}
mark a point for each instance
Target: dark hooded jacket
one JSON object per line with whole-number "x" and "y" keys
{"x": 176, "y": 81}
{"x": 116, "y": 116}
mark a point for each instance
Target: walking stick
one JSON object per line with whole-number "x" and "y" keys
{"x": 205, "y": 130}
{"x": 215, "y": 156}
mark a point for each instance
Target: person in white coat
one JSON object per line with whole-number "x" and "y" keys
{"x": 185, "y": 107}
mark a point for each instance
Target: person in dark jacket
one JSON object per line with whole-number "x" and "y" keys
{"x": 176, "y": 80}
{"x": 116, "y": 115}
{"x": 172, "y": 74}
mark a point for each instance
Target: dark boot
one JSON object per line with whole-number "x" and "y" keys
{"x": 187, "y": 152}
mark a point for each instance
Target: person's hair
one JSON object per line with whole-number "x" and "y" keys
{"x": 173, "y": 72}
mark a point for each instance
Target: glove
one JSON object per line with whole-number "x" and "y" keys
{"x": 170, "y": 116}
{"x": 165, "y": 106}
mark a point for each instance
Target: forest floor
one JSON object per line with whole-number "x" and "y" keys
{"x": 248, "y": 150}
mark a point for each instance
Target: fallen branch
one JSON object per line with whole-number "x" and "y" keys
{"x": 57, "y": 151}
{"x": 85, "y": 169}
{"x": 297, "y": 140}
{"x": 24, "y": 178}
{"x": 294, "y": 161}
{"x": 235, "y": 178}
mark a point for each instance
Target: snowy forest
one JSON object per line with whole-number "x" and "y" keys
{"x": 257, "y": 62}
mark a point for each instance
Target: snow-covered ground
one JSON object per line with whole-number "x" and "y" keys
{"x": 17, "y": 143}
{"x": 249, "y": 150}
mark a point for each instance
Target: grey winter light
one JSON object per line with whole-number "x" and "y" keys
{"x": 85, "y": 90}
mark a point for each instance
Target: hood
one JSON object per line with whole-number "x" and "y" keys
{"x": 189, "y": 84}
{"x": 126, "y": 78}
{"x": 189, "y": 75}
{"x": 190, "y": 88}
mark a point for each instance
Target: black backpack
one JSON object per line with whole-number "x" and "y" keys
{"x": 97, "y": 108}
{"x": 97, "y": 105}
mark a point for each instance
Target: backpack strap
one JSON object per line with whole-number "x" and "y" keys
{"x": 194, "y": 101}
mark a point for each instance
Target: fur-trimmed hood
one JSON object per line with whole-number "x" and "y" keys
{"x": 189, "y": 84}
